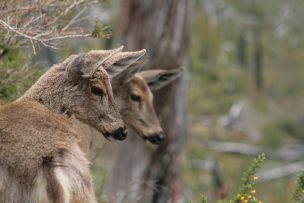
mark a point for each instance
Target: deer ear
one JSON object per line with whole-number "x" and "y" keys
{"x": 74, "y": 67}
{"x": 101, "y": 55}
{"x": 119, "y": 62}
{"x": 123, "y": 76}
{"x": 156, "y": 79}
{"x": 113, "y": 61}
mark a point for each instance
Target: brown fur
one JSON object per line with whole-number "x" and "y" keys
{"x": 2, "y": 102}
{"x": 35, "y": 141}
{"x": 140, "y": 115}
{"x": 67, "y": 87}
{"x": 40, "y": 159}
{"x": 140, "y": 118}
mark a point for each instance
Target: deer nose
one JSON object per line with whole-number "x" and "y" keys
{"x": 157, "y": 138}
{"x": 120, "y": 134}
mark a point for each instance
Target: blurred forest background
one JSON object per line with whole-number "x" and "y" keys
{"x": 244, "y": 83}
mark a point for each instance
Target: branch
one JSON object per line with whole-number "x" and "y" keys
{"x": 68, "y": 36}
{"x": 73, "y": 19}
{"x": 250, "y": 150}
{"x": 41, "y": 22}
{"x": 31, "y": 38}
{"x": 280, "y": 172}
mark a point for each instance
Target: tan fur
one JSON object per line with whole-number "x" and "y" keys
{"x": 140, "y": 115}
{"x": 40, "y": 160}
{"x": 141, "y": 118}
{"x": 67, "y": 87}
{"x": 2, "y": 102}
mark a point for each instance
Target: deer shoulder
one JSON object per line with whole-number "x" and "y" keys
{"x": 40, "y": 160}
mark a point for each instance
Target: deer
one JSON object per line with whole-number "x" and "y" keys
{"x": 133, "y": 95}
{"x": 141, "y": 119}
{"x": 40, "y": 157}
{"x": 80, "y": 87}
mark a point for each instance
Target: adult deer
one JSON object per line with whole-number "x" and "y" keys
{"x": 40, "y": 160}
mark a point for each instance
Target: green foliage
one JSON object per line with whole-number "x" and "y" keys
{"x": 216, "y": 82}
{"x": 16, "y": 74}
{"x": 278, "y": 130}
{"x": 292, "y": 127}
{"x": 298, "y": 194}
{"x": 246, "y": 190}
{"x": 273, "y": 135}
{"x": 99, "y": 30}
{"x": 202, "y": 200}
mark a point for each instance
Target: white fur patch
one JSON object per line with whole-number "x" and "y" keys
{"x": 65, "y": 183}
{"x": 39, "y": 193}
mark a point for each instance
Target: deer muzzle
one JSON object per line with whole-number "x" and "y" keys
{"x": 120, "y": 134}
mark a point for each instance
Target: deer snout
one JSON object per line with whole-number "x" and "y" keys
{"x": 156, "y": 138}
{"x": 120, "y": 134}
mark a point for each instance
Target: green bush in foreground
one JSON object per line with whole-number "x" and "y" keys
{"x": 246, "y": 192}
{"x": 298, "y": 194}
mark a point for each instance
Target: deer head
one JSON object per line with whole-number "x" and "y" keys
{"x": 88, "y": 93}
{"x": 135, "y": 100}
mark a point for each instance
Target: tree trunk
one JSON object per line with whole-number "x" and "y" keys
{"x": 141, "y": 172}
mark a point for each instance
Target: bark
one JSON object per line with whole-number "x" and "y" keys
{"x": 141, "y": 172}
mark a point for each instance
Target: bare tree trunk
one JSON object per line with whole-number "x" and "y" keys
{"x": 141, "y": 172}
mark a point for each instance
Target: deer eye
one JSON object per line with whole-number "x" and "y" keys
{"x": 97, "y": 91}
{"x": 135, "y": 98}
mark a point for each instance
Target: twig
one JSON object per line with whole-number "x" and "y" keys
{"x": 73, "y": 19}
{"x": 68, "y": 36}
{"x": 33, "y": 47}
{"x": 31, "y": 38}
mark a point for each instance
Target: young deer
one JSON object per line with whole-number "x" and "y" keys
{"x": 40, "y": 160}
{"x": 56, "y": 92}
{"x": 80, "y": 86}
{"x": 135, "y": 100}
{"x": 132, "y": 93}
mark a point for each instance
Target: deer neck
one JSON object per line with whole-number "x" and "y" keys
{"x": 49, "y": 89}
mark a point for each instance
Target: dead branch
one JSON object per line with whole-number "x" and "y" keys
{"x": 31, "y": 38}
{"x": 280, "y": 172}
{"x": 43, "y": 22}
{"x": 264, "y": 176}
{"x": 250, "y": 150}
